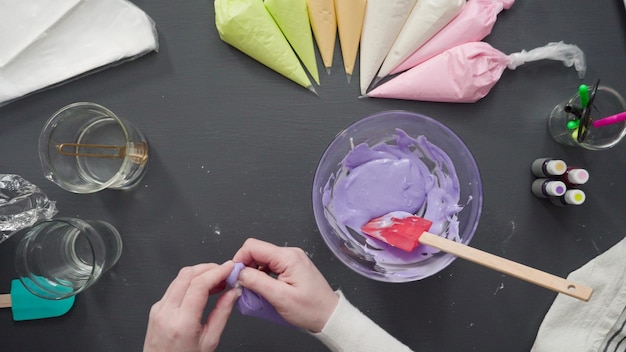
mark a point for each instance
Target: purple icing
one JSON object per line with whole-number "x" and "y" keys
{"x": 405, "y": 174}
{"x": 231, "y": 280}
{"x": 252, "y": 304}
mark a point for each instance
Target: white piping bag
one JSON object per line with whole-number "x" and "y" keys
{"x": 473, "y": 24}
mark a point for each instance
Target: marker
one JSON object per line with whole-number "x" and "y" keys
{"x": 545, "y": 188}
{"x": 575, "y": 134}
{"x": 573, "y": 109}
{"x": 546, "y": 167}
{"x": 571, "y": 197}
{"x": 583, "y": 92}
{"x": 586, "y": 116}
{"x": 609, "y": 120}
{"x": 576, "y": 111}
{"x": 572, "y": 124}
{"x": 575, "y": 176}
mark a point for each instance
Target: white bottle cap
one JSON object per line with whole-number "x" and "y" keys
{"x": 574, "y": 197}
{"x": 556, "y": 167}
{"x": 555, "y": 188}
{"x": 578, "y": 176}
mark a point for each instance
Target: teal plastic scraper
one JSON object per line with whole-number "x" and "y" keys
{"x": 27, "y": 306}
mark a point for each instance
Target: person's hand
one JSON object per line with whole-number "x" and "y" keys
{"x": 300, "y": 294}
{"x": 175, "y": 322}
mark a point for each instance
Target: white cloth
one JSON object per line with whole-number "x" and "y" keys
{"x": 23, "y": 21}
{"x": 92, "y": 35}
{"x": 598, "y": 325}
{"x": 349, "y": 330}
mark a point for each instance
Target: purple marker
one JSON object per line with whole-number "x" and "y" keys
{"x": 545, "y": 187}
{"x": 252, "y": 304}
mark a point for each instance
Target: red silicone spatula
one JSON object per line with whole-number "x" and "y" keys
{"x": 406, "y": 231}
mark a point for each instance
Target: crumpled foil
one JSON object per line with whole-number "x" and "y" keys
{"x": 22, "y": 204}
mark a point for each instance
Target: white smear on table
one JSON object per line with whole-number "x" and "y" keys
{"x": 596, "y": 247}
{"x": 508, "y": 238}
{"x": 498, "y": 288}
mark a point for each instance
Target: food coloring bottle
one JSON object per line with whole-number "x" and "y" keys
{"x": 545, "y": 187}
{"x": 546, "y": 167}
{"x": 571, "y": 197}
{"x": 575, "y": 176}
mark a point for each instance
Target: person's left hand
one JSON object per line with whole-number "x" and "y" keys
{"x": 175, "y": 322}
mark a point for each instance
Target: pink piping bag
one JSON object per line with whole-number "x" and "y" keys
{"x": 466, "y": 73}
{"x": 473, "y": 24}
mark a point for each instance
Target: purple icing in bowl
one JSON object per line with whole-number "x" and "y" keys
{"x": 395, "y": 161}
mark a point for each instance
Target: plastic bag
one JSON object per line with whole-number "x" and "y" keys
{"x": 94, "y": 35}
{"x": 23, "y": 22}
{"x": 466, "y": 73}
{"x": 571, "y": 55}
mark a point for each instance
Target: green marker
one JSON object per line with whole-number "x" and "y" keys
{"x": 573, "y": 124}
{"x": 583, "y": 92}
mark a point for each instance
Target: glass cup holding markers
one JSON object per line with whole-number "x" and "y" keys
{"x": 85, "y": 148}
{"x": 594, "y": 118}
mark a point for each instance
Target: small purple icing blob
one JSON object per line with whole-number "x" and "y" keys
{"x": 231, "y": 280}
{"x": 405, "y": 174}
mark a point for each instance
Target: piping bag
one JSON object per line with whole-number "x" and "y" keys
{"x": 252, "y": 304}
{"x": 426, "y": 19}
{"x": 406, "y": 231}
{"x": 248, "y": 26}
{"x": 292, "y": 18}
{"x": 26, "y": 306}
{"x": 467, "y": 72}
{"x": 473, "y": 24}
{"x": 382, "y": 22}
{"x": 350, "y": 16}
{"x": 324, "y": 25}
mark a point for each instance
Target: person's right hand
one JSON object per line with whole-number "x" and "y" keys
{"x": 299, "y": 293}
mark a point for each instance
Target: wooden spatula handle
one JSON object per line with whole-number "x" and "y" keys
{"x": 5, "y": 301}
{"x": 508, "y": 267}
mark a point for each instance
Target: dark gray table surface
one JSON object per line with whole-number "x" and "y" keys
{"x": 234, "y": 150}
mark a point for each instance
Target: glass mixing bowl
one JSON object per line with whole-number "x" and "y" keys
{"x": 373, "y": 258}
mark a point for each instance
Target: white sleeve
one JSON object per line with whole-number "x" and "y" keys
{"x": 350, "y": 330}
